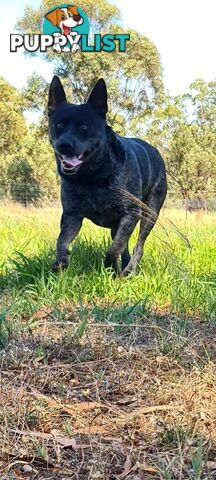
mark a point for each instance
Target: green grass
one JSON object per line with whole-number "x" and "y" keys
{"x": 157, "y": 378}
{"x": 177, "y": 273}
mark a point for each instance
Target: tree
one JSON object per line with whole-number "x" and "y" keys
{"x": 160, "y": 125}
{"x": 202, "y": 97}
{"x": 183, "y": 128}
{"x": 193, "y": 147}
{"x": 28, "y": 168}
{"x": 37, "y": 151}
{"x": 13, "y": 124}
{"x": 134, "y": 78}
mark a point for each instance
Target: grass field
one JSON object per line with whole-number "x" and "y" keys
{"x": 102, "y": 377}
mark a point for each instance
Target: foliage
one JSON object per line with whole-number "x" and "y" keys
{"x": 134, "y": 78}
{"x": 182, "y": 128}
{"x": 38, "y": 153}
{"x": 13, "y": 125}
{"x": 25, "y": 154}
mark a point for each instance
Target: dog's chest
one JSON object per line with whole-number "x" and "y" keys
{"x": 102, "y": 206}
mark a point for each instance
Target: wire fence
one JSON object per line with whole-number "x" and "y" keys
{"x": 28, "y": 195}
{"x": 192, "y": 202}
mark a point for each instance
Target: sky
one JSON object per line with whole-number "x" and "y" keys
{"x": 183, "y": 32}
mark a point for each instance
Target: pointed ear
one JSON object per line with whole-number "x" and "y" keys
{"x": 98, "y": 98}
{"x": 56, "y": 94}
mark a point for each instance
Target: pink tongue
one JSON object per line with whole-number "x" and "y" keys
{"x": 72, "y": 161}
{"x": 66, "y": 29}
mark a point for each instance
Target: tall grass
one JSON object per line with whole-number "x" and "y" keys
{"x": 177, "y": 272}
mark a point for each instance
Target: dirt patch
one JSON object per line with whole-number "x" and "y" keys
{"x": 108, "y": 406}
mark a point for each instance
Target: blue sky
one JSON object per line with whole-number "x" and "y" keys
{"x": 183, "y": 31}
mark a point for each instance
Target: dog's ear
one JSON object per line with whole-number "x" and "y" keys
{"x": 56, "y": 94}
{"x": 52, "y": 16}
{"x": 72, "y": 9}
{"x": 98, "y": 98}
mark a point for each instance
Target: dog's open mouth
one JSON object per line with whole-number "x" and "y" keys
{"x": 66, "y": 29}
{"x": 71, "y": 163}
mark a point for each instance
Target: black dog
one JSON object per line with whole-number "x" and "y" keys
{"x": 101, "y": 173}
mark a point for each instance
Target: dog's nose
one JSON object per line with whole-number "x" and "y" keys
{"x": 77, "y": 18}
{"x": 65, "y": 148}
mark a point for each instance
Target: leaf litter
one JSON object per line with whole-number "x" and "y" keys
{"x": 135, "y": 412}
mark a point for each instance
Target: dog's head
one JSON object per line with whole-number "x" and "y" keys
{"x": 65, "y": 18}
{"x": 77, "y": 132}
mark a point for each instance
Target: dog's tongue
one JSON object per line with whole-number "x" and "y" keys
{"x": 66, "y": 30}
{"x": 71, "y": 161}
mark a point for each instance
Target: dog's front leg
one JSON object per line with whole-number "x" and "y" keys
{"x": 70, "y": 227}
{"x": 120, "y": 241}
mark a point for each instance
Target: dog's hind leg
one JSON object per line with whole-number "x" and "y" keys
{"x": 147, "y": 222}
{"x": 125, "y": 257}
{"x": 120, "y": 241}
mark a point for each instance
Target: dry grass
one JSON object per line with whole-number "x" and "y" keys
{"x": 110, "y": 405}
{"x": 83, "y": 398}
{"x": 50, "y": 209}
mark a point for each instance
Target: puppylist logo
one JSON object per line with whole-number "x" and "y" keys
{"x": 66, "y": 23}
{"x": 66, "y": 29}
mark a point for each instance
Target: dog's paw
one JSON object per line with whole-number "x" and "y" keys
{"x": 57, "y": 48}
{"x": 75, "y": 48}
{"x": 126, "y": 272}
{"x": 112, "y": 263}
{"x": 59, "y": 265}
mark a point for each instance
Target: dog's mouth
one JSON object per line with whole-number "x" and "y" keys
{"x": 69, "y": 164}
{"x": 71, "y": 22}
{"x": 66, "y": 29}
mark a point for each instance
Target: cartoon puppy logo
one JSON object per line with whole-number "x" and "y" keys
{"x": 66, "y": 23}
{"x": 65, "y": 19}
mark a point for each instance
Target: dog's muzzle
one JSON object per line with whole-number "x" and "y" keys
{"x": 71, "y": 163}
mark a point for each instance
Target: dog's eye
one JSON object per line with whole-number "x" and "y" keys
{"x": 83, "y": 127}
{"x": 59, "y": 125}
{"x": 63, "y": 17}
{"x": 70, "y": 14}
